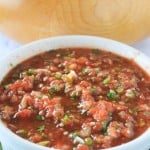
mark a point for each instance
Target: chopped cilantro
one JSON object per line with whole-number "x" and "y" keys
{"x": 96, "y": 51}
{"x": 30, "y": 72}
{"x": 39, "y": 96}
{"x": 74, "y": 134}
{"x": 74, "y": 94}
{"x": 93, "y": 89}
{"x": 112, "y": 94}
{"x": 49, "y": 96}
{"x": 85, "y": 70}
{"x": 119, "y": 89}
{"x": 65, "y": 120}
{"x": 35, "y": 80}
{"x": 16, "y": 76}
{"x": 106, "y": 80}
{"x": 64, "y": 54}
{"x": 40, "y": 118}
{"x": 89, "y": 141}
{"x": 58, "y": 76}
{"x": 53, "y": 90}
{"x": 40, "y": 128}
{"x": 104, "y": 125}
{"x": 5, "y": 85}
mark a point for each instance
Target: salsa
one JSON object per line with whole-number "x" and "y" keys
{"x": 76, "y": 99}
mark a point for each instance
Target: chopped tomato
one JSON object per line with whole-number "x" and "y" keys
{"x": 25, "y": 113}
{"x": 83, "y": 147}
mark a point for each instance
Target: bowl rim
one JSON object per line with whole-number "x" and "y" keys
{"x": 108, "y": 45}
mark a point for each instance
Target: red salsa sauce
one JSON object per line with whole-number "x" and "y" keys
{"x": 76, "y": 99}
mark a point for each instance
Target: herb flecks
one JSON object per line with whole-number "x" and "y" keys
{"x": 95, "y": 51}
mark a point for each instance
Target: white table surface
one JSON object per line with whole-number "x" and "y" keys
{"x": 7, "y": 45}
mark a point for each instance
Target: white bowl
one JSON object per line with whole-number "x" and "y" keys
{"x": 11, "y": 141}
